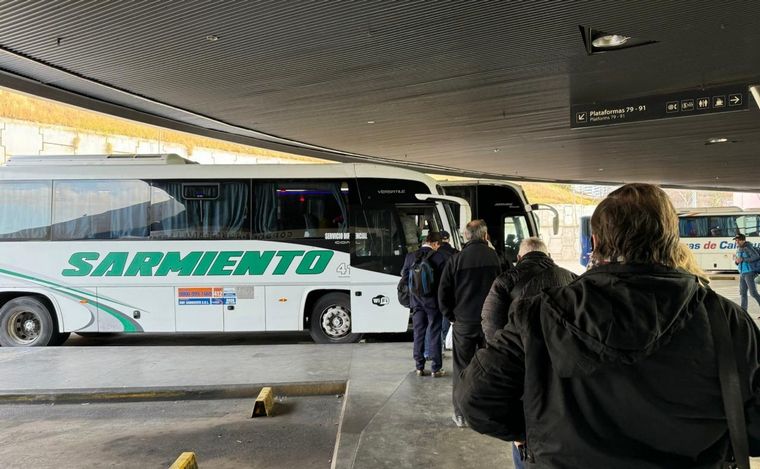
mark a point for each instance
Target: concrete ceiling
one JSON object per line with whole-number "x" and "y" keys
{"x": 459, "y": 87}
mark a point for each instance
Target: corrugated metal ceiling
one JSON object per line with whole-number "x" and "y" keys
{"x": 464, "y": 85}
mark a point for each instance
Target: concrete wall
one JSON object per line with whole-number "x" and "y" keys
{"x": 25, "y": 138}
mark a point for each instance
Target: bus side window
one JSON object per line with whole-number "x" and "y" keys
{"x": 25, "y": 210}
{"x": 284, "y": 210}
{"x": 100, "y": 209}
{"x": 180, "y": 210}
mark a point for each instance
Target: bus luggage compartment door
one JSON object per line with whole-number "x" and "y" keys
{"x": 375, "y": 308}
{"x": 200, "y": 309}
{"x": 136, "y": 309}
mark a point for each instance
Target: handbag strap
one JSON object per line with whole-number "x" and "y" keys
{"x": 728, "y": 374}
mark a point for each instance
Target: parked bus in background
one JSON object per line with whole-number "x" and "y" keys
{"x": 709, "y": 234}
{"x": 587, "y": 244}
{"x": 505, "y": 208}
{"x": 151, "y": 243}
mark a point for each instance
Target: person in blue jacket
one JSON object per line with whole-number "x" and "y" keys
{"x": 745, "y": 258}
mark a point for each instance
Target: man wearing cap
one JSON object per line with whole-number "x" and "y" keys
{"x": 746, "y": 257}
{"x": 446, "y": 248}
{"x": 426, "y": 314}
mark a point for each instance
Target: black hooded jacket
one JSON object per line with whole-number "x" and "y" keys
{"x": 532, "y": 273}
{"x": 615, "y": 370}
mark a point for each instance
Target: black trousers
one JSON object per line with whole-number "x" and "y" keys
{"x": 468, "y": 338}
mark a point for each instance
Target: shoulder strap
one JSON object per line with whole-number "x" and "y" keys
{"x": 728, "y": 374}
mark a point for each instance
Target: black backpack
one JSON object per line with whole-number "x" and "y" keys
{"x": 422, "y": 275}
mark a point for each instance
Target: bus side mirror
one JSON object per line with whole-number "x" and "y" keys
{"x": 555, "y": 219}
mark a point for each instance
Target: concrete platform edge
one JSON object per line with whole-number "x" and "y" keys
{"x": 234, "y": 391}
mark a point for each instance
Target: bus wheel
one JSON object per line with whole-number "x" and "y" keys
{"x": 331, "y": 320}
{"x": 26, "y": 322}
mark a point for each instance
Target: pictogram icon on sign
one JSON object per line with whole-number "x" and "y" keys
{"x": 735, "y": 99}
{"x": 687, "y": 105}
{"x": 671, "y": 106}
{"x": 580, "y": 117}
{"x": 703, "y": 103}
{"x": 719, "y": 101}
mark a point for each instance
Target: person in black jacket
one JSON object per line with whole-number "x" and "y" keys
{"x": 618, "y": 369}
{"x": 464, "y": 286}
{"x": 426, "y": 315}
{"x": 534, "y": 271}
{"x": 447, "y": 250}
{"x": 446, "y": 247}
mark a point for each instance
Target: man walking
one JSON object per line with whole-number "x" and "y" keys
{"x": 422, "y": 272}
{"x": 463, "y": 289}
{"x": 745, "y": 258}
{"x": 533, "y": 272}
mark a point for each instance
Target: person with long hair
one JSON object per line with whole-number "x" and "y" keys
{"x": 620, "y": 368}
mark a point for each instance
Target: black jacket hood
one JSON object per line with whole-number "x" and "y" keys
{"x": 616, "y": 314}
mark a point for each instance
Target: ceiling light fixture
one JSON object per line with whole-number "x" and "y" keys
{"x": 610, "y": 40}
{"x": 370, "y": 122}
{"x": 716, "y": 140}
{"x": 597, "y": 41}
{"x": 212, "y": 38}
{"x": 755, "y": 90}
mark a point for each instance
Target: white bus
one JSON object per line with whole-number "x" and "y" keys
{"x": 151, "y": 243}
{"x": 709, "y": 234}
{"x": 505, "y": 208}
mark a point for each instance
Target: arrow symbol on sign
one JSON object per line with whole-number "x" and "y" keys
{"x": 735, "y": 99}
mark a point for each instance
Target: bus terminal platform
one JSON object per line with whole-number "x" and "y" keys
{"x": 390, "y": 417}
{"x": 127, "y": 402}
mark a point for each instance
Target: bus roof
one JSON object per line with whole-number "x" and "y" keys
{"x": 478, "y": 182}
{"x": 714, "y": 211}
{"x": 111, "y": 159}
{"x": 169, "y": 166}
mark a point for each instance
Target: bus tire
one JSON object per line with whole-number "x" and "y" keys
{"x": 26, "y": 322}
{"x": 330, "y": 320}
{"x": 59, "y": 338}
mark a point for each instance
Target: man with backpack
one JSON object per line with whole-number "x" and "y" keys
{"x": 421, "y": 275}
{"x": 747, "y": 260}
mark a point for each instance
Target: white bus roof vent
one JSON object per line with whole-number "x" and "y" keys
{"x": 114, "y": 159}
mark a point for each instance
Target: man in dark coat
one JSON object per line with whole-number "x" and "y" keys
{"x": 619, "y": 368}
{"x": 426, "y": 315}
{"x": 446, "y": 247}
{"x": 465, "y": 282}
{"x": 534, "y": 271}
{"x": 447, "y": 250}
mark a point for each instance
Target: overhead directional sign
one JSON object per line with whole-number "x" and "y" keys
{"x": 680, "y": 104}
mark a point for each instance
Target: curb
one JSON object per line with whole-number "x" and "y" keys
{"x": 166, "y": 393}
